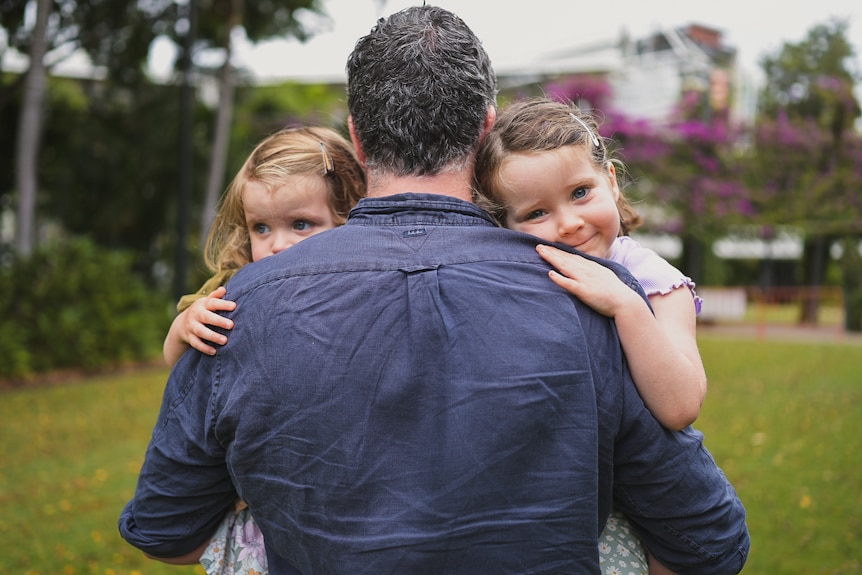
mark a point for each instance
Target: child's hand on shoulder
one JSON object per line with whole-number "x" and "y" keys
{"x": 589, "y": 281}
{"x": 201, "y": 316}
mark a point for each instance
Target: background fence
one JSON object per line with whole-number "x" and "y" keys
{"x": 765, "y": 312}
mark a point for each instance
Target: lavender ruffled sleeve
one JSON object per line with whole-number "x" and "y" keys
{"x": 655, "y": 274}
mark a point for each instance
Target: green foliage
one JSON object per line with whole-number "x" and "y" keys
{"x": 811, "y": 79}
{"x": 115, "y": 35}
{"x": 262, "y": 110}
{"x": 782, "y": 420}
{"x": 73, "y": 305}
{"x": 806, "y": 168}
{"x": 259, "y": 20}
{"x": 105, "y": 171}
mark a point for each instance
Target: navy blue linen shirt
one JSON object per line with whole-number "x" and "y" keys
{"x": 410, "y": 393}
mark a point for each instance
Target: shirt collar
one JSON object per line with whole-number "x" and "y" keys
{"x": 409, "y": 208}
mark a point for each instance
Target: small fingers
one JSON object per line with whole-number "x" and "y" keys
{"x": 567, "y": 283}
{"x": 200, "y": 345}
{"x": 203, "y": 332}
{"x": 217, "y": 320}
{"x": 218, "y": 292}
{"x": 566, "y": 263}
{"x": 218, "y": 304}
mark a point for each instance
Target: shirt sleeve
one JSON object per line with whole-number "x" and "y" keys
{"x": 184, "y": 488}
{"x": 683, "y": 507}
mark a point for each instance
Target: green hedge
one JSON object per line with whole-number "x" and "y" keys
{"x": 75, "y": 305}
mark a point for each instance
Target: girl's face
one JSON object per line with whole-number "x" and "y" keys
{"x": 289, "y": 214}
{"x": 560, "y": 196}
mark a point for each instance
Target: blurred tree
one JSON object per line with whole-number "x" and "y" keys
{"x": 808, "y": 103}
{"x": 219, "y": 22}
{"x": 109, "y": 164}
{"x": 698, "y": 182}
{"x": 29, "y": 129}
{"x": 115, "y": 34}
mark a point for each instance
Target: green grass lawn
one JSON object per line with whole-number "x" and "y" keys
{"x": 784, "y": 420}
{"x": 71, "y": 454}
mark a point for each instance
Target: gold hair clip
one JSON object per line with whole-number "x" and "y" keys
{"x": 593, "y": 137}
{"x": 328, "y": 166}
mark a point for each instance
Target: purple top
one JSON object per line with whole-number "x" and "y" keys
{"x": 654, "y": 273}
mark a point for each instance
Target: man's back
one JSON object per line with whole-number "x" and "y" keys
{"x": 433, "y": 400}
{"x": 411, "y": 394}
{"x": 432, "y": 403}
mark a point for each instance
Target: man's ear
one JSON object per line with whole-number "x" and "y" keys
{"x": 490, "y": 118}
{"x": 360, "y": 155}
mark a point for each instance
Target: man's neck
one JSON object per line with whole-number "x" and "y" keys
{"x": 453, "y": 184}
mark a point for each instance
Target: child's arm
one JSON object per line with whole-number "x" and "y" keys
{"x": 188, "y": 559}
{"x": 656, "y": 568}
{"x": 661, "y": 349}
{"x": 191, "y": 327}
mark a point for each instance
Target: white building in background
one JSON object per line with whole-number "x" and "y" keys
{"x": 649, "y": 76}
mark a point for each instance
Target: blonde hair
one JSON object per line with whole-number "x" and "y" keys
{"x": 541, "y": 124}
{"x": 289, "y": 152}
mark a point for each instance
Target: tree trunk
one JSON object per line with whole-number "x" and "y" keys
{"x": 186, "y": 183}
{"x": 692, "y": 257}
{"x": 29, "y": 132}
{"x": 851, "y": 268}
{"x": 221, "y": 138}
{"x": 815, "y": 256}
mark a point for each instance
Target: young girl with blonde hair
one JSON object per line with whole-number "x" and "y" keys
{"x": 296, "y": 183}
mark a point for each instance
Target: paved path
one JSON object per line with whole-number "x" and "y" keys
{"x": 772, "y": 332}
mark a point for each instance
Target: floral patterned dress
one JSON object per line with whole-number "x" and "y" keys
{"x": 237, "y": 547}
{"x": 620, "y": 550}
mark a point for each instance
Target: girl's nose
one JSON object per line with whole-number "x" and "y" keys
{"x": 569, "y": 223}
{"x": 282, "y": 242}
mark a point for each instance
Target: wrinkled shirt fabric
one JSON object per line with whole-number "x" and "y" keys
{"x": 409, "y": 393}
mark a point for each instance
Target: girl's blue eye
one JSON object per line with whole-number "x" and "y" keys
{"x": 261, "y": 228}
{"x": 580, "y": 193}
{"x": 301, "y": 225}
{"x": 534, "y": 215}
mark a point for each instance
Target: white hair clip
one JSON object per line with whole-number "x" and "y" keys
{"x": 328, "y": 167}
{"x": 593, "y": 137}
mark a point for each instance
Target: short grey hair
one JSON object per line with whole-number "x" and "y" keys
{"x": 419, "y": 86}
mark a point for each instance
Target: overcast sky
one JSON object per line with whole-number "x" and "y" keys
{"x": 518, "y": 32}
{"x": 523, "y": 32}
